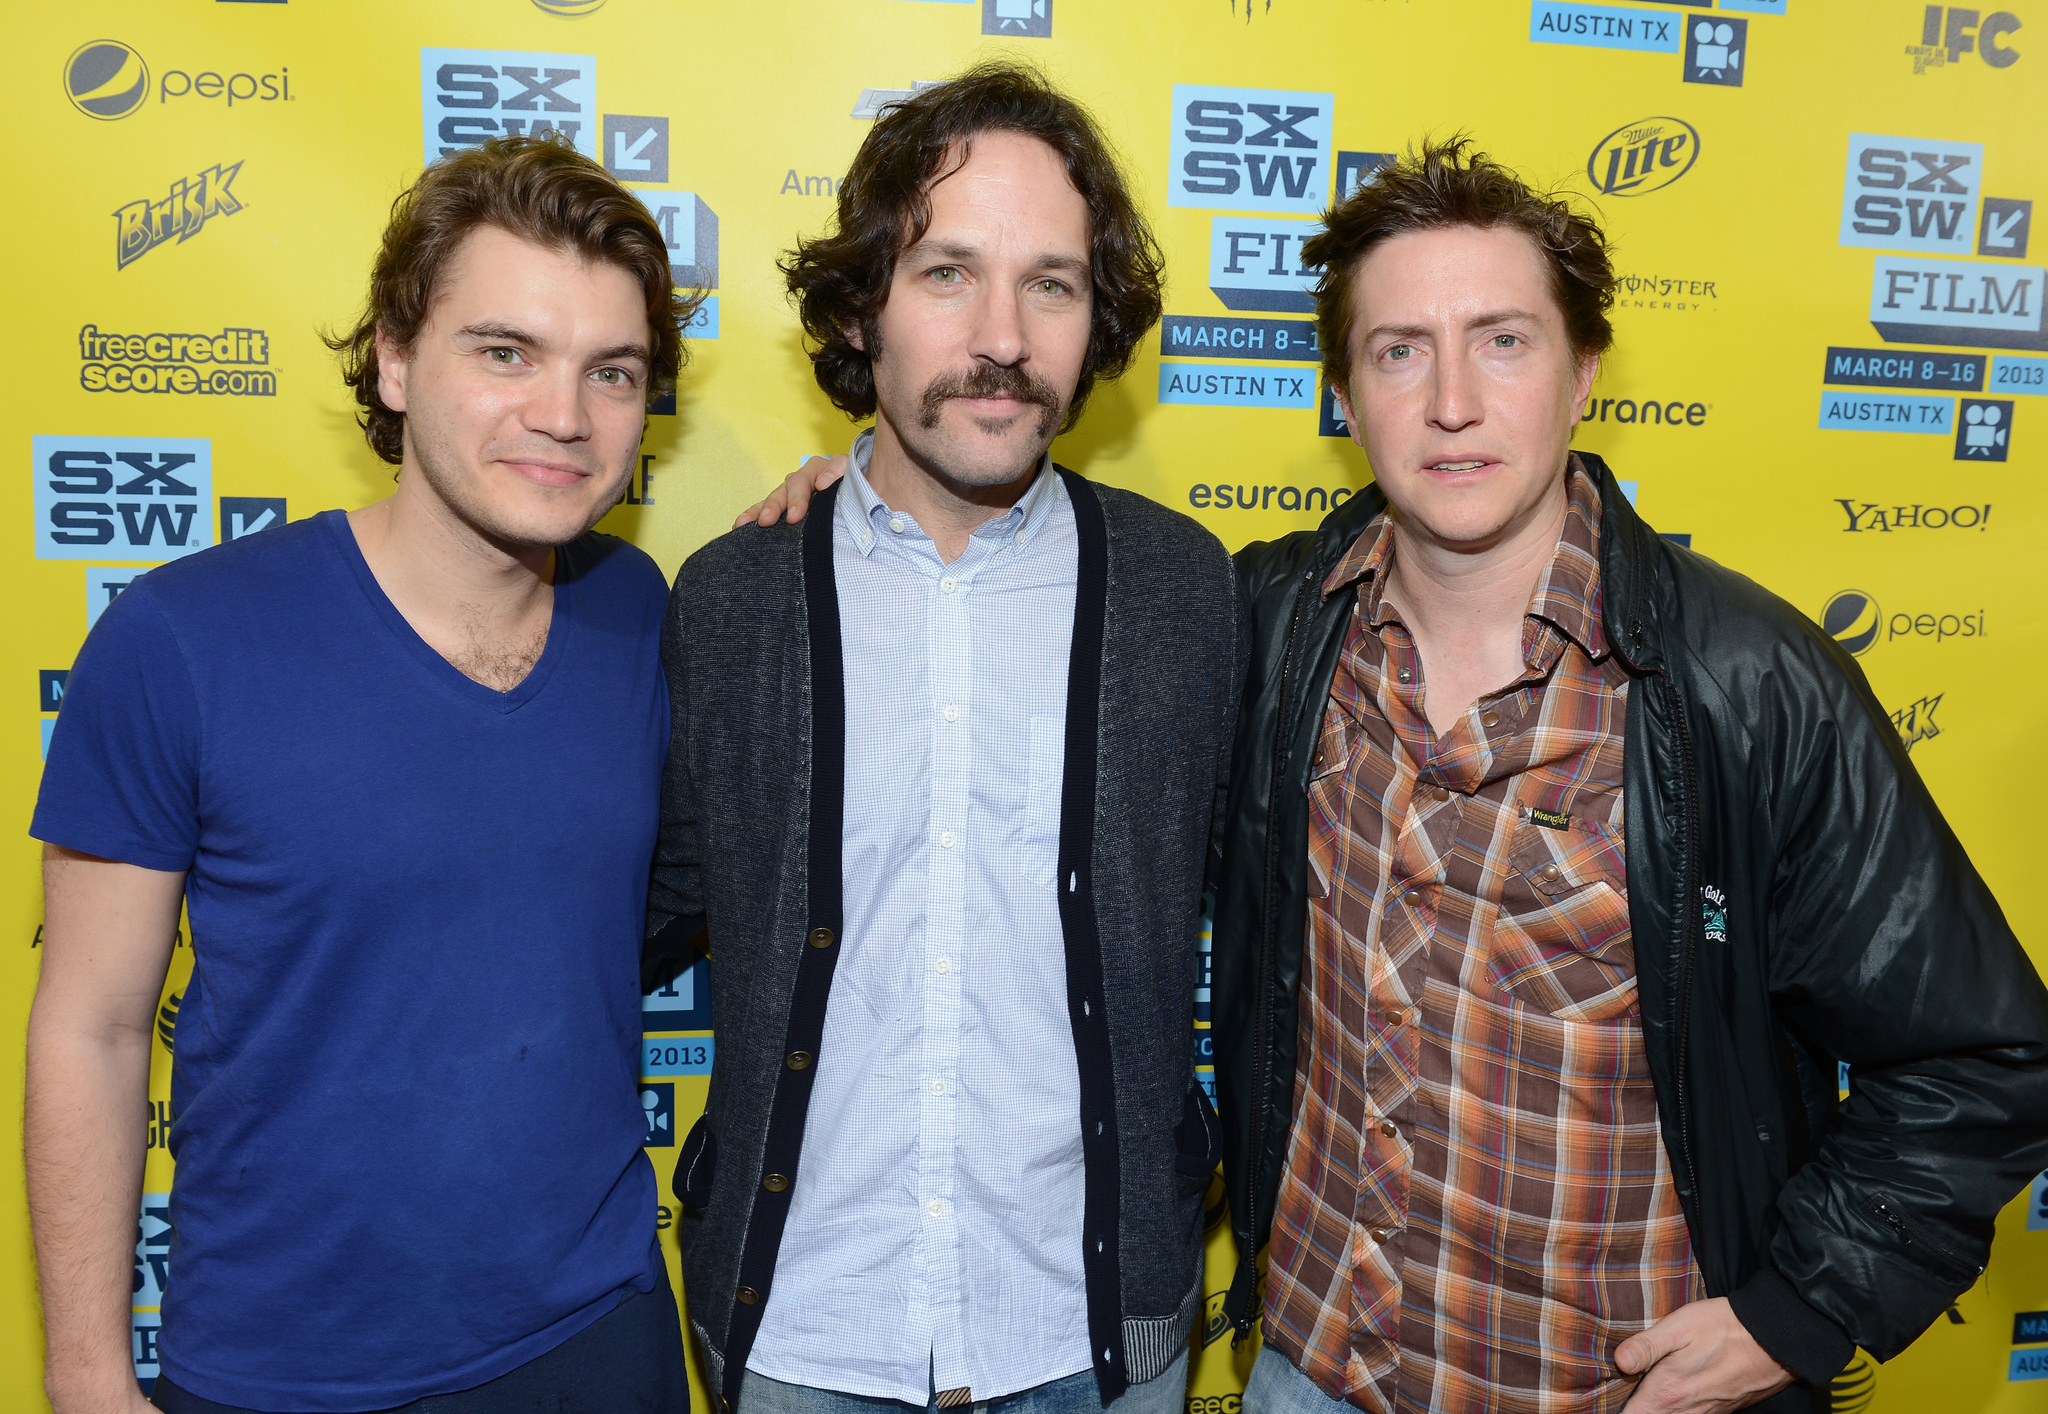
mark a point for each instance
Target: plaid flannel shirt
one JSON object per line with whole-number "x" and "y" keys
{"x": 1477, "y": 1207}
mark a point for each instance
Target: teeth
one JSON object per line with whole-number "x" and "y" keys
{"x": 1456, "y": 466}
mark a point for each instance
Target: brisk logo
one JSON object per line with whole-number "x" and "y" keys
{"x": 1250, "y": 149}
{"x": 1905, "y": 193}
{"x": 124, "y": 498}
{"x": 467, "y": 95}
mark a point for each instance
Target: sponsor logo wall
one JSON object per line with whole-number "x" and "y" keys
{"x": 1829, "y": 372}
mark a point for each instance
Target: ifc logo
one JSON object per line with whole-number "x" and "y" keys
{"x": 106, "y": 79}
{"x": 1852, "y": 619}
{"x": 569, "y": 8}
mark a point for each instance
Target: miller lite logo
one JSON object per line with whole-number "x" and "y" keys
{"x": 1645, "y": 156}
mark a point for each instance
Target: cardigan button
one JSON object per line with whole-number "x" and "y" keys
{"x": 821, "y": 938}
{"x": 747, "y": 1296}
{"x": 798, "y": 1060}
{"x": 775, "y": 1183}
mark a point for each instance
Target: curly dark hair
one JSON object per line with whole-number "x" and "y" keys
{"x": 840, "y": 281}
{"x": 1446, "y": 184}
{"x": 538, "y": 188}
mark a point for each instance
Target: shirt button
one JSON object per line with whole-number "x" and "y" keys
{"x": 946, "y": 840}
{"x": 946, "y": 585}
{"x": 938, "y": 1087}
{"x": 1490, "y": 719}
{"x": 775, "y": 1183}
{"x": 1550, "y": 873}
{"x": 896, "y": 524}
{"x": 952, "y": 714}
{"x": 943, "y": 965}
{"x": 1405, "y": 676}
{"x": 1381, "y": 1234}
{"x": 1439, "y": 793}
{"x": 1387, "y": 1128}
{"x": 1395, "y": 1016}
{"x": 1413, "y": 898}
{"x": 936, "y": 1208}
{"x": 798, "y": 1060}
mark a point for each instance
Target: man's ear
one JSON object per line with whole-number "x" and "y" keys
{"x": 1343, "y": 395}
{"x": 856, "y": 336}
{"x": 1583, "y": 375}
{"x": 392, "y": 363}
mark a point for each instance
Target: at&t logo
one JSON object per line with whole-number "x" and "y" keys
{"x": 106, "y": 79}
{"x": 1645, "y": 156}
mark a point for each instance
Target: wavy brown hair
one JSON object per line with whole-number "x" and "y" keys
{"x": 840, "y": 281}
{"x": 538, "y": 188}
{"x": 1447, "y": 184}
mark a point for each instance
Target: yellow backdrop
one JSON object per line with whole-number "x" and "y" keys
{"x": 1829, "y": 370}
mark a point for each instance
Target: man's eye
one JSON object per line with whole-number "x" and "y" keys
{"x": 502, "y": 355}
{"x": 1398, "y": 352}
{"x": 613, "y": 376}
{"x": 946, "y": 275}
{"x": 1050, "y": 286}
{"x": 1506, "y": 341}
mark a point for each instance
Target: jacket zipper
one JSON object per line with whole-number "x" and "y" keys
{"x": 1262, "y": 1017}
{"x": 1689, "y": 916}
{"x": 1888, "y": 1212}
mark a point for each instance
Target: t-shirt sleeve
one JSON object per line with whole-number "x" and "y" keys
{"x": 122, "y": 778}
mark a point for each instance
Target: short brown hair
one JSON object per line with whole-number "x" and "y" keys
{"x": 538, "y": 188}
{"x": 1445, "y": 185}
{"x": 841, "y": 281}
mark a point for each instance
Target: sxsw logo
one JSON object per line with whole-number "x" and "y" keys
{"x": 468, "y": 95}
{"x": 1911, "y": 194}
{"x": 658, "y": 1107}
{"x": 636, "y": 149}
{"x": 121, "y": 498}
{"x": 690, "y": 230}
{"x": 245, "y": 515}
{"x": 1250, "y": 149}
{"x": 1967, "y": 303}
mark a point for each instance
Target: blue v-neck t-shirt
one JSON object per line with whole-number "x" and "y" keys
{"x": 407, "y": 1121}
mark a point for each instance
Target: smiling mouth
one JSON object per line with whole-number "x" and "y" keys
{"x": 1455, "y": 466}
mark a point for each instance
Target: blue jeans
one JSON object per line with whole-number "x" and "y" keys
{"x": 1277, "y": 1387}
{"x": 1165, "y": 1393}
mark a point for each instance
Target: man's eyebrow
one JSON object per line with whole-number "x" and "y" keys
{"x": 1423, "y": 331}
{"x": 954, "y": 250}
{"x": 505, "y": 333}
{"x": 618, "y": 351}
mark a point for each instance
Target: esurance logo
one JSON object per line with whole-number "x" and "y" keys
{"x": 1250, "y": 149}
{"x": 122, "y": 498}
{"x": 468, "y": 95}
{"x": 141, "y": 226}
{"x": 1911, "y": 194}
{"x": 229, "y": 363}
{"x": 1645, "y": 156}
{"x": 106, "y": 79}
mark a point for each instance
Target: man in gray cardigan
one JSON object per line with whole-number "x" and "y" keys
{"x": 938, "y": 806}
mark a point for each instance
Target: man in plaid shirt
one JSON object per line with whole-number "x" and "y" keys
{"x": 1560, "y": 867}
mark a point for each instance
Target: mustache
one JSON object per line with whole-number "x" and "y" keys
{"x": 990, "y": 380}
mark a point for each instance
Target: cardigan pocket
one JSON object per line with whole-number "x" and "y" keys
{"x": 696, "y": 1167}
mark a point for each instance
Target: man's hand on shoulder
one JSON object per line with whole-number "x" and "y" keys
{"x": 1699, "y": 1360}
{"x": 793, "y": 497}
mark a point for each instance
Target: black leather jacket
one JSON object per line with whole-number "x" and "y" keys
{"x": 1758, "y": 764}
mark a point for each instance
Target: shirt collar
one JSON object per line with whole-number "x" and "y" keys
{"x": 865, "y": 515}
{"x": 1567, "y": 596}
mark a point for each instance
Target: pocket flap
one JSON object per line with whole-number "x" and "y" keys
{"x": 696, "y": 1166}
{"x": 1198, "y": 1138}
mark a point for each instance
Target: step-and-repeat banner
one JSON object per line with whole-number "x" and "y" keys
{"x": 1830, "y": 371}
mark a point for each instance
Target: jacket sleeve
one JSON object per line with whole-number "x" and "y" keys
{"x": 675, "y": 895}
{"x": 1889, "y": 952}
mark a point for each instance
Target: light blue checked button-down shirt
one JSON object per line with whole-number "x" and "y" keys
{"x": 934, "y": 1239}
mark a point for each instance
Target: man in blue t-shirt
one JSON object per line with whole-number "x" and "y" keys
{"x": 402, "y": 767}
